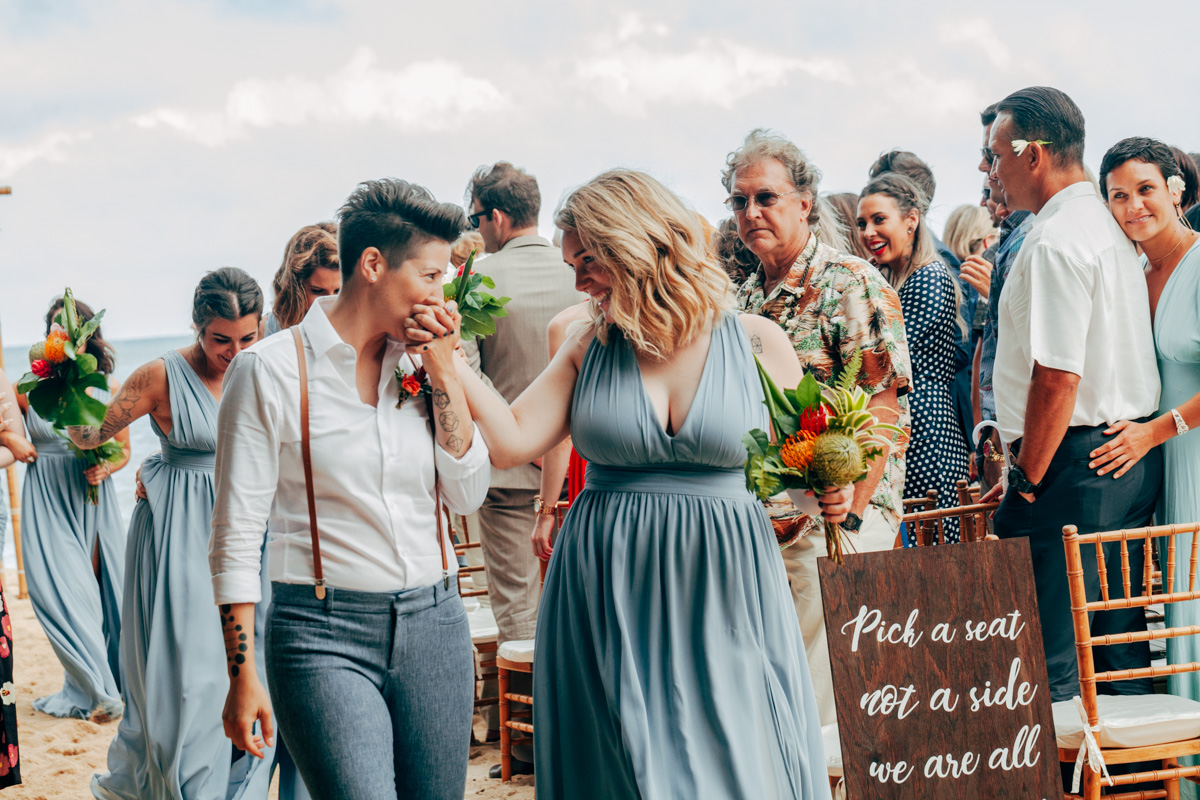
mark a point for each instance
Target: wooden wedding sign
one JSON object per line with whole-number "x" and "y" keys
{"x": 939, "y": 674}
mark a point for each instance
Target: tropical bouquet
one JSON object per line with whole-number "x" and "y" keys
{"x": 478, "y": 308}
{"x": 820, "y": 436}
{"x": 60, "y": 374}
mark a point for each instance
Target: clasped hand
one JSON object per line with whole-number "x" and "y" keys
{"x": 432, "y": 332}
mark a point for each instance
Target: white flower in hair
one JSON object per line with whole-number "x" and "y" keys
{"x": 1019, "y": 145}
{"x": 1175, "y": 183}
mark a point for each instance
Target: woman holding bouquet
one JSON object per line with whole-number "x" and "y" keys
{"x": 670, "y": 662}
{"x": 170, "y": 744}
{"x": 75, "y": 555}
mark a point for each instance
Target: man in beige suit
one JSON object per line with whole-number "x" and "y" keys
{"x": 505, "y": 202}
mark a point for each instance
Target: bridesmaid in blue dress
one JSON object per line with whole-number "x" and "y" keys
{"x": 75, "y": 558}
{"x": 892, "y": 227}
{"x": 1143, "y": 186}
{"x": 171, "y": 742}
{"x": 669, "y": 659}
{"x": 310, "y": 269}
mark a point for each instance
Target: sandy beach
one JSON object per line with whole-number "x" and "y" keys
{"x": 59, "y": 756}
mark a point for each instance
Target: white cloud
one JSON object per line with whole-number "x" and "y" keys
{"x": 633, "y": 78}
{"x": 425, "y": 96}
{"x": 977, "y": 35}
{"x": 51, "y": 147}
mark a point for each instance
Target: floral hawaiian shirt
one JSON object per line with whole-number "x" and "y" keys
{"x": 830, "y": 305}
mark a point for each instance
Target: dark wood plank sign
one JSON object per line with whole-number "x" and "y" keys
{"x": 940, "y": 675}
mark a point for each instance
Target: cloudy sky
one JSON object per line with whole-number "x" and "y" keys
{"x": 147, "y": 141}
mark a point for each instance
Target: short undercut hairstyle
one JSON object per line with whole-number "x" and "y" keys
{"x": 909, "y": 165}
{"x": 396, "y": 217}
{"x": 510, "y": 189}
{"x": 1138, "y": 148}
{"x": 1043, "y": 112}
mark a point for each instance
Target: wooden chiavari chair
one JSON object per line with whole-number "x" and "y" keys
{"x": 1126, "y": 729}
{"x": 517, "y": 657}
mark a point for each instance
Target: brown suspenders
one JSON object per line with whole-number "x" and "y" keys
{"x": 306, "y": 457}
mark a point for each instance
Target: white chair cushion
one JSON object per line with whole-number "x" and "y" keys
{"x": 520, "y": 651}
{"x": 1140, "y": 720}
{"x": 833, "y": 749}
{"x": 483, "y": 625}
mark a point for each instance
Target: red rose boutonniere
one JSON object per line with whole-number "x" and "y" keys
{"x": 412, "y": 385}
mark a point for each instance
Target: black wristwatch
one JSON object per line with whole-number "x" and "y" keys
{"x": 1018, "y": 480}
{"x": 852, "y": 522}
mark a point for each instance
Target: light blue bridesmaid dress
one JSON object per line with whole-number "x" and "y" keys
{"x": 669, "y": 659}
{"x": 1177, "y": 342}
{"x": 171, "y": 743}
{"x": 80, "y": 612}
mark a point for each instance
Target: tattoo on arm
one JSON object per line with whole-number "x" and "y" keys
{"x": 454, "y": 443}
{"x": 756, "y": 344}
{"x": 448, "y": 420}
{"x": 120, "y": 411}
{"x": 236, "y": 642}
{"x": 441, "y": 399}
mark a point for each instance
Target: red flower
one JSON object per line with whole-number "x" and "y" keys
{"x": 461, "y": 269}
{"x": 42, "y": 368}
{"x": 815, "y": 420}
{"x": 6, "y": 624}
{"x": 411, "y": 385}
{"x": 12, "y": 755}
{"x": 4, "y": 651}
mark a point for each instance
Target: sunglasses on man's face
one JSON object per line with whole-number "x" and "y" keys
{"x": 474, "y": 218}
{"x": 739, "y": 202}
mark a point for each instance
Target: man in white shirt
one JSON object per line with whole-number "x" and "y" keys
{"x": 1074, "y": 354}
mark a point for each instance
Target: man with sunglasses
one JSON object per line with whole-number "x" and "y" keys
{"x": 504, "y": 203}
{"x": 831, "y": 304}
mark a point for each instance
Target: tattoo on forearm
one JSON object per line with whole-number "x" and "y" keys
{"x": 448, "y": 420}
{"x": 756, "y": 344}
{"x": 120, "y": 412}
{"x": 454, "y": 443}
{"x": 237, "y": 643}
{"x": 440, "y": 398}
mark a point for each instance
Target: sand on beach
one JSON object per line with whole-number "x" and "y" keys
{"x": 59, "y": 756}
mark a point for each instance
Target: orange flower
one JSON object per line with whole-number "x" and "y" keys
{"x": 411, "y": 385}
{"x": 56, "y": 351}
{"x": 797, "y": 451}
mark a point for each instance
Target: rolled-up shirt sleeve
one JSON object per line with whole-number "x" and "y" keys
{"x": 247, "y": 473}
{"x": 465, "y": 480}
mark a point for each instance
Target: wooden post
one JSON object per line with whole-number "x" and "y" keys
{"x": 14, "y": 500}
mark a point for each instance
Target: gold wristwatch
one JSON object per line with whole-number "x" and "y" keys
{"x": 540, "y": 507}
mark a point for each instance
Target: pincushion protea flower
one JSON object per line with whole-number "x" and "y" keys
{"x": 797, "y": 451}
{"x": 55, "y": 348}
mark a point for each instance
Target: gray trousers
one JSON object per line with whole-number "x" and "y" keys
{"x": 513, "y": 573}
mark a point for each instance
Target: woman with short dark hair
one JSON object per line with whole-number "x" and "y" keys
{"x": 1145, "y": 190}
{"x": 369, "y": 658}
{"x": 169, "y": 744}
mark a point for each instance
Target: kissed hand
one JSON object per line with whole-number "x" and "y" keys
{"x": 432, "y": 331}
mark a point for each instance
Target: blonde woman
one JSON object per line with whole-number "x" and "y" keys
{"x": 969, "y": 232}
{"x": 669, "y": 661}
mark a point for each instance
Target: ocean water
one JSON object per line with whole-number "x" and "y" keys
{"x": 131, "y": 354}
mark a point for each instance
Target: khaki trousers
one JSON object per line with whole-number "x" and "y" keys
{"x": 800, "y": 559}
{"x": 513, "y": 573}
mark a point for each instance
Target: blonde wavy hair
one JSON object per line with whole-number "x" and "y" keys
{"x": 666, "y": 284}
{"x": 967, "y": 230}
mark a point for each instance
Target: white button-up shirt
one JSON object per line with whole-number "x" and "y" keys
{"x": 1076, "y": 301}
{"x": 373, "y": 472}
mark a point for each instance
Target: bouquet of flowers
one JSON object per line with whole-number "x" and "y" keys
{"x": 821, "y": 436}
{"x": 59, "y": 377}
{"x": 479, "y": 309}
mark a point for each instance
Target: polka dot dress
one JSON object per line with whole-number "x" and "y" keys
{"x": 937, "y": 452}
